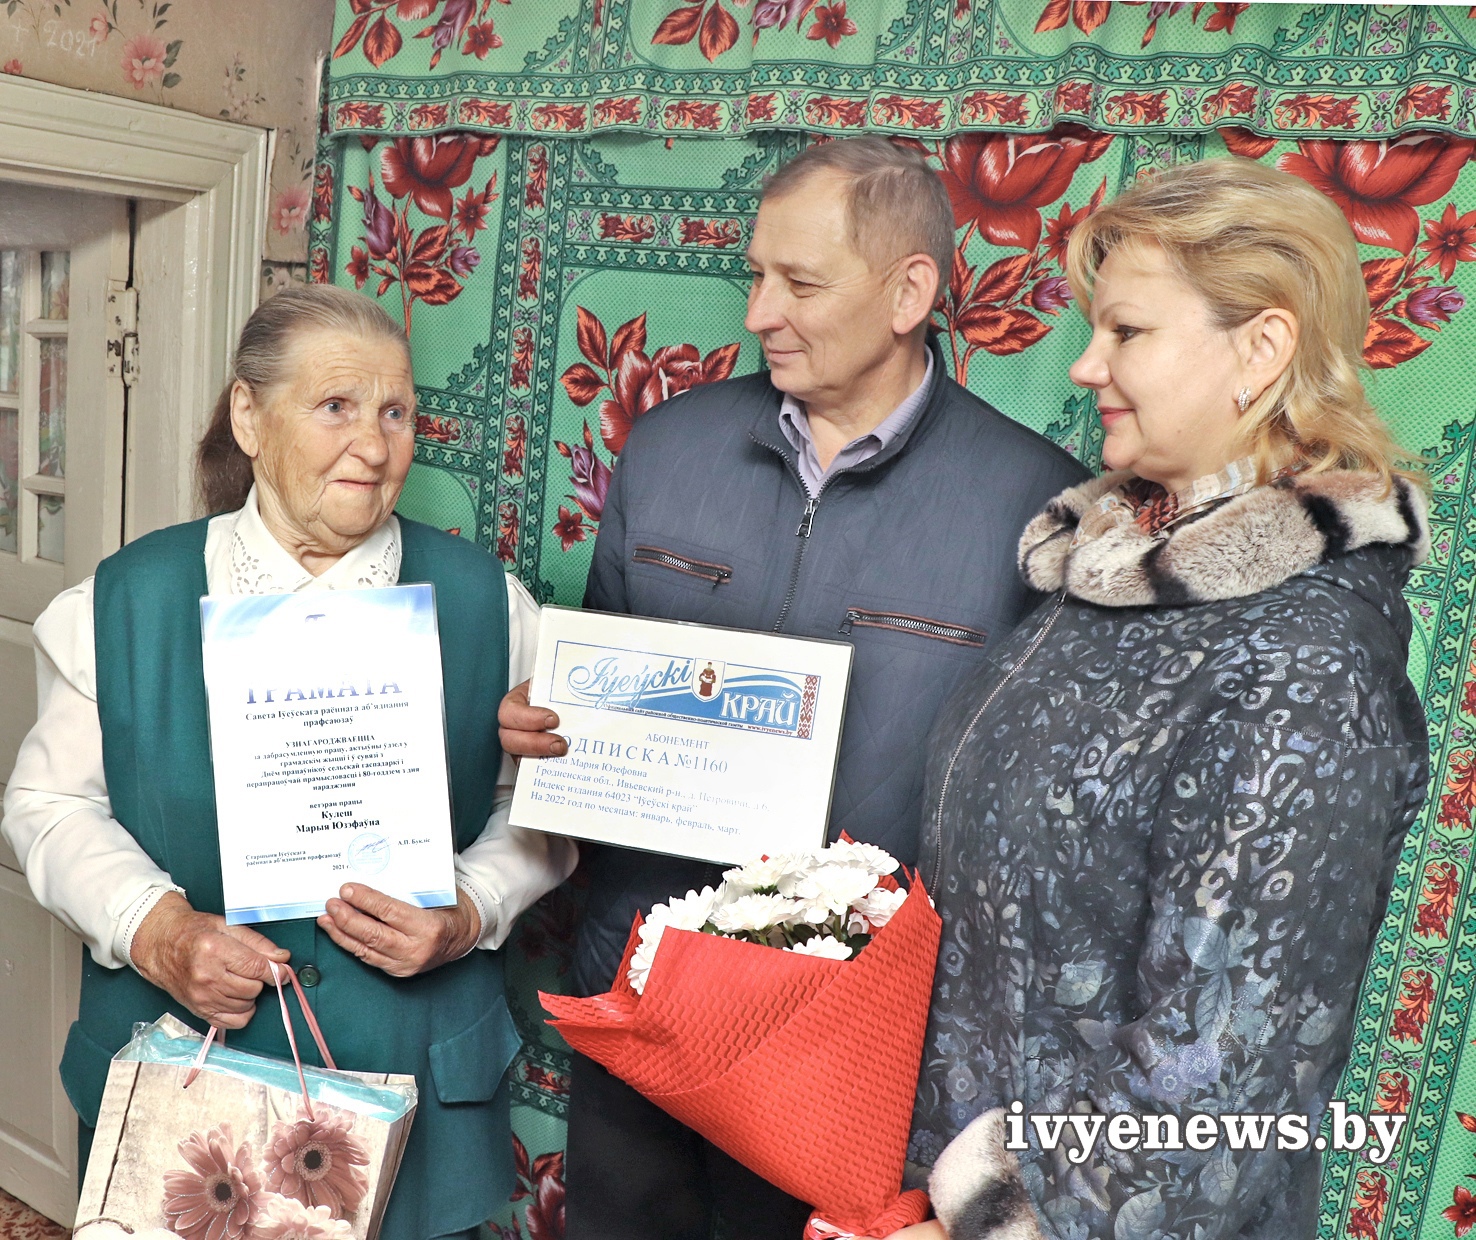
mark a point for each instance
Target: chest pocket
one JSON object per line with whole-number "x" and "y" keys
{"x": 919, "y": 626}
{"x": 679, "y": 580}
{"x": 707, "y": 572}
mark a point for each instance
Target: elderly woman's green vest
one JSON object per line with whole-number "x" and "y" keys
{"x": 450, "y": 1027}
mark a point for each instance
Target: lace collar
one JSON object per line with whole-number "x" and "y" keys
{"x": 256, "y": 563}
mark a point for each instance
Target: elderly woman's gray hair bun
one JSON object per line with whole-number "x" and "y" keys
{"x": 222, "y": 471}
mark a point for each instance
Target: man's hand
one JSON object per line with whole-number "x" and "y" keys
{"x": 527, "y": 731}
{"x": 214, "y": 969}
{"x": 400, "y": 938}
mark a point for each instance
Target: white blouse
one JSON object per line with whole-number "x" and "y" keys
{"x": 84, "y": 867}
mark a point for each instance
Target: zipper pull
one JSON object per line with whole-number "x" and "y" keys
{"x": 808, "y": 519}
{"x": 852, "y": 615}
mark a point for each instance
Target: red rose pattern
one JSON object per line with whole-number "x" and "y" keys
{"x": 1378, "y": 185}
{"x": 998, "y": 182}
{"x": 634, "y": 382}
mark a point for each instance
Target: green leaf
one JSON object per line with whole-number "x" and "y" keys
{"x": 171, "y": 80}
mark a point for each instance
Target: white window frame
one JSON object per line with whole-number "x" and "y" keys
{"x": 197, "y": 262}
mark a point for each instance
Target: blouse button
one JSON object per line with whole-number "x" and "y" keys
{"x": 308, "y": 975}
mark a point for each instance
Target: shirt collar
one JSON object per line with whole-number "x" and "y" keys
{"x": 259, "y": 564}
{"x": 794, "y": 420}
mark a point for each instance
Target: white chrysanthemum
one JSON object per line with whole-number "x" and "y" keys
{"x": 768, "y": 871}
{"x": 813, "y": 913}
{"x": 823, "y": 946}
{"x": 868, "y": 857}
{"x": 856, "y": 924}
{"x": 878, "y": 906}
{"x": 837, "y": 887}
{"x": 689, "y": 913}
{"x": 755, "y": 912}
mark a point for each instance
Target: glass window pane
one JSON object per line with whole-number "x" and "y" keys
{"x": 51, "y": 533}
{"x": 10, "y": 320}
{"x": 56, "y": 285}
{"x": 9, "y": 478}
{"x": 53, "y": 428}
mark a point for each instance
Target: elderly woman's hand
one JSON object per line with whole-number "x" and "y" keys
{"x": 400, "y": 938}
{"x": 214, "y": 969}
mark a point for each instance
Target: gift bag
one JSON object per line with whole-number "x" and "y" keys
{"x": 198, "y": 1141}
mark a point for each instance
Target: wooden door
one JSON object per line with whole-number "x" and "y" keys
{"x": 64, "y": 264}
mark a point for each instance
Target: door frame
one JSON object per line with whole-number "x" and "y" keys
{"x": 201, "y": 188}
{"x": 200, "y": 231}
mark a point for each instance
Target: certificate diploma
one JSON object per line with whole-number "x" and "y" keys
{"x": 327, "y": 733}
{"x": 716, "y": 744}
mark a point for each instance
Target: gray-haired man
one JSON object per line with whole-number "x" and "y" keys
{"x": 853, "y": 490}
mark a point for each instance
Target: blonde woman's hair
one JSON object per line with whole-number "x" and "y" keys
{"x": 1247, "y": 238}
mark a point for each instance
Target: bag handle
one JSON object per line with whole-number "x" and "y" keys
{"x": 313, "y": 1028}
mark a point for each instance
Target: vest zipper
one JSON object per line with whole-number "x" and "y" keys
{"x": 715, "y": 573}
{"x": 1035, "y": 642}
{"x": 807, "y": 519}
{"x": 802, "y": 532}
{"x": 913, "y": 624}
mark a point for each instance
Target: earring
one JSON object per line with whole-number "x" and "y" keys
{"x": 1244, "y": 399}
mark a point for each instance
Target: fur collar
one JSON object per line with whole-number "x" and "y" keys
{"x": 976, "y": 1187}
{"x": 1248, "y": 544}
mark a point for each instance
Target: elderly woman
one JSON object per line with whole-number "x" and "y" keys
{"x": 111, "y": 808}
{"x": 1164, "y": 818}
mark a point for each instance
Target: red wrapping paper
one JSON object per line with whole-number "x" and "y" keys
{"x": 801, "y": 1068}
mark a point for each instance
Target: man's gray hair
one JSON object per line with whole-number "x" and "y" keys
{"x": 896, "y": 204}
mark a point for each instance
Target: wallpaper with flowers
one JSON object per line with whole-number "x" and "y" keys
{"x": 255, "y": 62}
{"x": 567, "y": 260}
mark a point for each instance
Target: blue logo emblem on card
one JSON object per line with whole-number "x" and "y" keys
{"x": 756, "y": 699}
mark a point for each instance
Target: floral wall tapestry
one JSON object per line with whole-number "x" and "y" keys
{"x": 556, "y": 282}
{"x": 730, "y": 67}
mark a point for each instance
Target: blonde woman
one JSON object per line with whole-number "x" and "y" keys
{"x": 1162, "y": 820}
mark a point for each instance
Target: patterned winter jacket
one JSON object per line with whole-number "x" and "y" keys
{"x": 1161, "y": 828}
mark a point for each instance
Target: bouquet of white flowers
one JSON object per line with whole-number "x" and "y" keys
{"x": 791, "y": 998}
{"x": 827, "y": 904}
